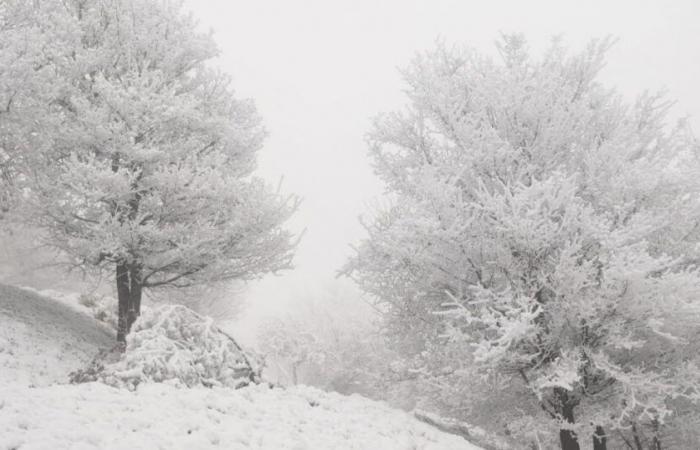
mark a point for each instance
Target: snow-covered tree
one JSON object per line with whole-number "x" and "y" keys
{"x": 146, "y": 157}
{"x": 327, "y": 341}
{"x": 27, "y": 86}
{"x": 290, "y": 345}
{"x": 542, "y": 232}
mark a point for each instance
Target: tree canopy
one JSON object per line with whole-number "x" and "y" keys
{"x": 543, "y": 232}
{"x": 131, "y": 150}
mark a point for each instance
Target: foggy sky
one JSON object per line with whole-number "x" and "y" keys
{"x": 319, "y": 70}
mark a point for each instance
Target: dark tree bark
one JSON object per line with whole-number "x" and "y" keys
{"x": 129, "y": 288}
{"x": 567, "y": 438}
{"x": 635, "y": 436}
{"x": 656, "y": 442}
{"x": 123, "y": 298}
{"x": 129, "y": 292}
{"x": 600, "y": 441}
{"x": 135, "y": 291}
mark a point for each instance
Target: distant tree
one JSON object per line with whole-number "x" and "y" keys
{"x": 145, "y": 161}
{"x": 290, "y": 345}
{"x": 542, "y": 232}
{"x": 222, "y": 301}
{"x": 330, "y": 342}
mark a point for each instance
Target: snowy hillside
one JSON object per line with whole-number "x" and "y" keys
{"x": 160, "y": 416}
{"x": 42, "y": 340}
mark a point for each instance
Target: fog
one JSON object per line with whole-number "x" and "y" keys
{"x": 537, "y": 279}
{"x": 319, "y": 70}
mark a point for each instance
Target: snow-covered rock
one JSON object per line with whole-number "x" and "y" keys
{"x": 173, "y": 344}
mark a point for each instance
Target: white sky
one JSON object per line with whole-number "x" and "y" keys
{"x": 319, "y": 70}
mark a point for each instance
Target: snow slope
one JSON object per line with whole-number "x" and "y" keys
{"x": 42, "y": 340}
{"x": 96, "y": 416}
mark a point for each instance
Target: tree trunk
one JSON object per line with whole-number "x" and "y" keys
{"x": 600, "y": 441}
{"x": 123, "y": 297}
{"x": 135, "y": 290}
{"x": 128, "y": 275}
{"x": 656, "y": 442}
{"x": 568, "y": 438}
{"x": 129, "y": 291}
{"x": 637, "y": 441}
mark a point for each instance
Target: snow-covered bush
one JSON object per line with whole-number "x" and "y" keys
{"x": 173, "y": 344}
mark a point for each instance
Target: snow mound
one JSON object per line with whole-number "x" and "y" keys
{"x": 43, "y": 340}
{"x": 173, "y": 344}
{"x": 96, "y": 416}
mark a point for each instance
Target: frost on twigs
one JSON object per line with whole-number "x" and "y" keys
{"x": 173, "y": 344}
{"x": 540, "y": 248}
{"x": 103, "y": 308}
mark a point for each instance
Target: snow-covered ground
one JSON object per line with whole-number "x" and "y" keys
{"x": 42, "y": 340}
{"x": 161, "y": 416}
